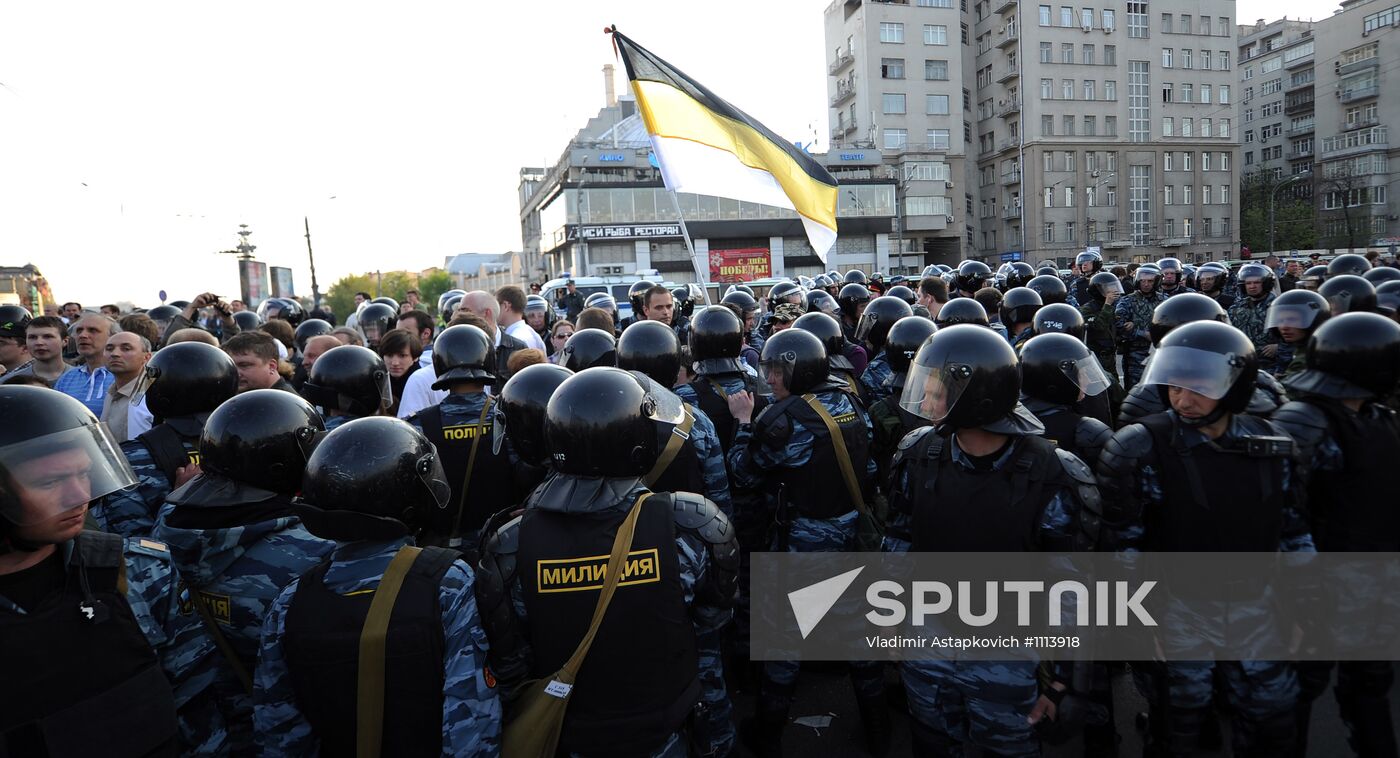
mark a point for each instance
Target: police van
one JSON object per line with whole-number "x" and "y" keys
{"x": 616, "y": 286}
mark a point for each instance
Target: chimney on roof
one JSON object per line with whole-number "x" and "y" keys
{"x": 609, "y": 92}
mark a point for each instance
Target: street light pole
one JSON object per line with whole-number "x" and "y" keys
{"x": 1273, "y": 196}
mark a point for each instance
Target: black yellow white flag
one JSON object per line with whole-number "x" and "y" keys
{"x": 706, "y": 146}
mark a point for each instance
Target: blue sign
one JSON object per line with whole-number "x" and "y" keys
{"x": 612, "y": 157}
{"x": 852, "y": 156}
{"x": 162, "y": 296}
{"x": 1010, "y": 257}
{"x": 651, "y": 158}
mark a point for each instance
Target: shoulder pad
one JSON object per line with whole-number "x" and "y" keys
{"x": 1078, "y": 470}
{"x": 1124, "y": 449}
{"x": 773, "y": 425}
{"x": 147, "y": 546}
{"x": 1304, "y": 422}
{"x": 1090, "y": 432}
{"x": 1142, "y": 400}
{"x": 699, "y": 515}
{"x": 505, "y": 540}
{"x": 911, "y": 439}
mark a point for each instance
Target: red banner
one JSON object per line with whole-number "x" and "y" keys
{"x": 740, "y": 265}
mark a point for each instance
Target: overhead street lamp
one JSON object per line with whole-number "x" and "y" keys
{"x": 1273, "y": 195}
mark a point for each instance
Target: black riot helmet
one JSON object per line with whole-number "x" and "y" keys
{"x": 448, "y": 309}
{"x": 636, "y": 292}
{"x": 961, "y": 310}
{"x": 784, "y": 292}
{"x": 904, "y": 340}
{"x": 1059, "y": 318}
{"x": 650, "y": 347}
{"x": 963, "y": 377}
{"x": 1183, "y": 309}
{"x": 1019, "y": 306}
{"x": 262, "y": 438}
{"x": 248, "y": 321}
{"x": 588, "y": 348}
{"x": 716, "y": 338}
{"x": 372, "y": 478}
{"x": 685, "y": 301}
{"x": 1313, "y": 277}
{"x": 1354, "y": 355}
{"x": 798, "y": 358}
{"x": 1211, "y": 277}
{"x": 40, "y": 423}
{"x": 1388, "y": 297}
{"x": 1050, "y": 287}
{"x": 744, "y": 288}
{"x": 603, "y": 422}
{"x": 463, "y": 353}
{"x": 1172, "y": 266}
{"x": 181, "y": 304}
{"x": 1376, "y": 276}
{"x": 13, "y": 321}
{"x": 350, "y": 379}
{"x": 1057, "y": 368}
{"x": 376, "y": 319}
{"x": 850, "y": 298}
{"x": 1150, "y": 274}
{"x": 1047, "y": 271}
{"x": 1091, "y": 257}
{"x": 520, "y": 407}
{"x": 1348, "y": 293}
{"x": 854, "y": 276}
{"x": 188, "y": 378}
{"x": 745, "y": 302}
{"x": 603, "y": 301}
{"x": 879, "y": 316}
{"x": 164, "y": 314}
{"x": 1209, "y": 358}
{"x": 903, "y": 293}
{"x": 821, "y": 301}
{"x": 973, "y": 275}
{"x": 284, "y": 308}
{"x": 1349, "y": 263}
{"x": 448, "y": 295}
{"x": 385, "y": 300}
{"x": 1251, "y": 272}
{"x": 1104, "y": 283}
{"x": 826, "y": 329}
{"x": 1019, "y": 274}
{"x": 1297, "y": 308}
{"x": 312, "y": 327}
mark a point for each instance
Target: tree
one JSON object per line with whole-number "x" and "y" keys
{"x": 340, "y": 298}
{"x": 431, "y": 287}
{"x": 1295, "y": 220}
{"x": 1345, "y": 186}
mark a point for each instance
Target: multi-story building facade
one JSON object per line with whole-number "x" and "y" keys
{"x": 1106, "y": 127}
{"x": 1314, "y": 106}
{"x": 897, "y": 85}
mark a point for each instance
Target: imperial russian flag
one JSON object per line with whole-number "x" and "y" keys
{"x": 706, "y": 146}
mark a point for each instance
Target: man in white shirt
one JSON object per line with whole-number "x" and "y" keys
{"x": 511, "y": 317}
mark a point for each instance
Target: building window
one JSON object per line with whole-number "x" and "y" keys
{"x": 936, "y": 4}
{"x": 1110, "y": 126}
{"x": 1069, "y": 197}
{"x": 1068, "y": 124}
{"x": 891, "y": 32}
{"x": 1224, "y": 194}
{"x": 1205, "y": 194}
{"x": 1049, "y": 159}
{"x": 1049, "y": 197}
{"x": 1049, "y": 231}
{"x": 1067, "y": 53}
{"x": 1224, "y": 161}
{"x": 1186, "y": 161}
{"x": 1224, "y": 92}
{"x": 935, "y": 34}
{"x": 1140, "y": 203}
{"x": 1205, "y": 161}
{"x": 1224, "y": 60}
{"x": 1089, "y": 89}
{"x": 1137, "y": 20}
{"x": 1205, "y": 60}
{"x": 1069, "y": 231}
{"x": 1185, "y": 58}
{"x": 1223, "y": 128}
{"x": 1111, "y": 197}
{"x": 1166, "y": 23}
{"x": 1069, "y": 161}
{"x": 1110, "y": 90}
{"x": 896, "y": 139}
{"x": 1086, "y": 18}
{"x": 892, "y": 103}
{"x": 1188, "y": 93}
{"x": 1168, "y": 92}
{"x": 936, "y": 71}
{"x": 937, "y": 139}
{"x": 1205, "y": 127}
{"x": 1047, "y": 87}
{"x": 1167, "y": 125}
{"x": 1139, "y": 127}
{"x": 1067, "y": 89}
{"x": 1047, "y": 126}
{"x": 1167, "y": 194}
{"x": 1091, "y": 127}
{"x": 1185, "y": 194}
{"x": 1066, "y": 16}
{"x": 1205, "y": 94}
{"x": 1187, "y": 125}
{"x": 891, "y": 68}
{"x": 1108, "y": 19}
{"x": 1044, "y": 15}
{"x": 1047, "y": 53}
{"x": 1167, "y": 161}
{"x": 1088, "y": 55}
{"x": 1169, "y": 228}
{"x": 1166, "y": 57}
{"x": 936, "y": 105}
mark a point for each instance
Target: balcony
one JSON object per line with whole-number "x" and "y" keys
{"x": 1298, "y": 61}
{"x": 1297, "y": 105}
{"x": 1117, "y": 244}
{"x": 1358, "y": 93}
{"x": 844, "y": 92}
{"x": 1009, "y": 36}
{"x": 1359, "y": 122}
{"x": 1010, "y": 143}
{"x": 1174, "y": 242}
{"x": 1300, "y": 153}
{"x": 1004, "y": 5}
{"x": 1011, "y": 178}
{"x": 1356, "y": 143}
{"x": 1008, "y": 74}
{"x": 1291, "y": 87}
{"x": 843, "y": 60}
{"x": 1011, "y": 212}
{"x": 1301, "y": 129}
{"x": 839, "y": 132}
{"x": 1351, "y": 68}
{"x": 1008, "y": 107}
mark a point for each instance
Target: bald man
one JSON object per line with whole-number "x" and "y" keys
{"x": 315, "y": 347}
{"x": 89, "y": 380}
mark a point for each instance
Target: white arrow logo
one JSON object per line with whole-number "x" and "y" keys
{"x": 811, "y": 603}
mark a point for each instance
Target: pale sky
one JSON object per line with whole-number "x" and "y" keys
{"x": 135, "y": 137}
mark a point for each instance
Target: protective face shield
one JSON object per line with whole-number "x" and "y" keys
{"x": 1296, "y": 315}
{"x": 433, "y": 479}
{"x": 1209, "y": 279}
{"x": 1108, "y": 286}
{"x": 1201, "y": 371}
{"x": 824, "y": 303}
{"x": 931, "y": 392}
{"x": 601, "y": 300}
{"x": 1086, "y": 374}
{"x": 44, "y": 477}
{"x": 782, "y": 365}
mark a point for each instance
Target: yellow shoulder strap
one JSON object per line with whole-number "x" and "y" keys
{"x": 843, "y": 456}
{"x": 369, "y": 713}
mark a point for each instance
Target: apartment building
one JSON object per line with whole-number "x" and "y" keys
{"x": 897, "y": 81}
{"x": 1313, "y": 106}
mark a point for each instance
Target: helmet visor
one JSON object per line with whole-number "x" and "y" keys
{"x": 45, "y": 477}
{"x": 866, "y": 324}
{"x": 1298, "y": 316}
{"x": 373, "y": 331}
{"x": 430, "y": 473}
{"x": 1107, "y": 288}
{"x": 931, "y": 392}
{"x": 827, "y": 305}
{"x": 660, "y": 404}
{"x": 1087, "y": 375}
{"x": 1201, "y": 371}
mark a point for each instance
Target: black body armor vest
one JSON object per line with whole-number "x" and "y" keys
{"x": 817, "y": 490}
{"x": 170, "y": 448}
{"x": 492, "y": 485}
{"x": 713, "y": 403}
{"x": 1354, "y": 509}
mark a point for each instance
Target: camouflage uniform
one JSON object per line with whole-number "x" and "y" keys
{"x": 1249, "y": 316}
{"x": 132, "y": 512}
{"x": 873, "y": 381}
{"x": 711, "y": 454}
{"x": 237, "y": 572}
{"x": 334, "y": 421}
{"x": 1099, "y": 336}
{"x": 1022, "y": 338}
{"x": 1180, "y": 290}
{"x": 751, "y": 461}
{"x": 999, "y": 328}
{"x": 1132, "y": 315}
{"x": 471, "y": 711}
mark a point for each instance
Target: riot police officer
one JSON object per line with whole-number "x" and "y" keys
{"x": 1131, "y": 317}
{"x": 588, "y": 348}
{"x": 879, "y": 316}
{"x": 375, "y": 320}
{"x": 1018, "y": 309}
{"x": 889, "y": 422}
{"x": 954, "y": 487}
{"x": 1018, "y": 274}
{"x": 744, "y": 300}
{"x": 792, "y": 453}
{"x": 1086, "y": 265}
{"x": 600, "y": 428}
{"x": 1347, "y": 293}
{"x": 1211, "y": 279}
{"x": 1351, "y": 442}
{"x": 853, "y": 299}
{"x": 1057, "y": 373}
{"x": 184, "y": 383}
{"x": 1173, "y": 277}
{"x": 970, "y": 277}
{"x": 1051, "y": 289}
{"x": 635, "y": 295}
{"x": 844, "y": 360}
{"x": 80, "y": 610}
{"x": 370, "y": 486}
{"x": 716, "y": 337}
{"x": 236, "y": 543}
{"x": 519, "y": 420}
{"x": 1180, "y": 481}
{"x": 1250, "y": 312}
{"x": 348, "y": 382}
{"x": 962, "y": 310}
{"x": 481, "y": 476}
{"x": 1097, "y": 306}
{"x": 1293, "y": 317}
